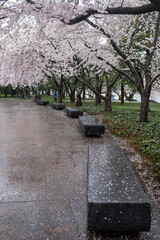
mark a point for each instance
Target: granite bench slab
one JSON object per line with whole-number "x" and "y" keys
{"x": 116, "y": 199}
{"x": 36, "y": 97}
{"x": 40, "y": 102}
{"x": 91, "y": 126}
{"x": 73, "y": 112}
{"x": 58, "y": 106}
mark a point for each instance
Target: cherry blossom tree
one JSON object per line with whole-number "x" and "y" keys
{"x": 115, "y": 28}
{"x": 149, "y": 58}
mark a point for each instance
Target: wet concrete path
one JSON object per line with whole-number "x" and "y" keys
{"x": 43, "y": 175}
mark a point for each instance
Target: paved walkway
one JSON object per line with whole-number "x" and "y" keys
{"x": 43, "y": 176}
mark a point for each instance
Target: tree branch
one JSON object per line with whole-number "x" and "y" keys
{"x": 1, "y": 18}
{"x": 156, "y": 35}
{"x": 91, "y": 88}
{"x": 147, "y": 8}
{"x": 30, "y": 1}
{"x": 123, "y": 55}
{"x": 122, "y": 72}
{"x": 115, "y": 79}
{"x": 155, "y": 78}
{"x": 156, "y": 3}
{"x": 4, "y": 3}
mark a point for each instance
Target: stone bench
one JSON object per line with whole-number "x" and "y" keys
{"x": 91, "y": 126}
{"x": 58, "y": 106}
{"x": 36, "y": 97}
{"x": 116, "y": 199}
{"x": 73, "y": 112}
{"x": 16, "y": 96}
{"x": 40, "y": 102}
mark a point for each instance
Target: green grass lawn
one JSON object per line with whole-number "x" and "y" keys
{"x": 9, "y": 97}
{"x": 45, "y": 98}
{"x": 154, "y": 107}
{"x": 67, "y": 99}
{"x": 92, "y": 109}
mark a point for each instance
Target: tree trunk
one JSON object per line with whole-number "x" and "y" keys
{"x": 29, "y": 94}
{"x": 97, "y": 98}
{"x": 64, "y": 94}
{"x": 144, "y": 106}
{"x": 84, "y": 92}
{"x": 108, "y": 107}
{"x": 79, "y": 100}
{"x": 5, "y": 92}
{"x": 72, "y": 96}
{"x": 22, "y": 94}
{"x": 130, "y": 98}
{"x": 60, "y": 94}
{"x": 122, "y": 93}
{"x": 12, "y": 92}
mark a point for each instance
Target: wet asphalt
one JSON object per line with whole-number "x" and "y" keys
{"x": 43, "y": 176}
